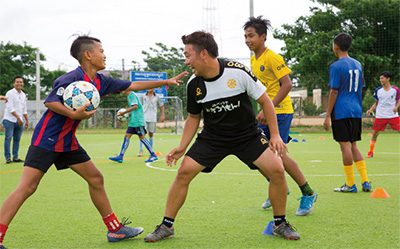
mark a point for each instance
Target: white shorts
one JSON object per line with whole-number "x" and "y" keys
{"x": 151, "y": 127}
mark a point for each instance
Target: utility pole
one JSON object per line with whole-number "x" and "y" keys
{"x": 37, "y": 86}
{"x": 123, "y": 68}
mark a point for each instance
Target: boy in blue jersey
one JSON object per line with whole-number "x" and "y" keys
{"x": 345, "y": 111}
{"x": 136, "y": 126}
{"x": 54, "y": 141}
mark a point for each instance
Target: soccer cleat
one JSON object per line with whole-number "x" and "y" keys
{"x": 161, "y": 232}
{"x": 346, "y": 189}
{"x": 124, "y": 232}
{"x": 306, "y": 204}
{"x": 370, "y": 154}
{"x": 2, "y": 247}
{"x": 266, "y": 204}
{"x": 366, "y": 186}
{"x": 117, "y": 159}
{"x": 153, "y": 157}
{"x": 286, "y": 231}
{"x": 140, "y": 153}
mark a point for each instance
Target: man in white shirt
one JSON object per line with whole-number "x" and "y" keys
{"x": 12, "y": 121}
{"x": 150, "y": 102}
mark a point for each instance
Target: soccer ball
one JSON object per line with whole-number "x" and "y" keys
{"x": 123, "y": 117}
{"x": 79, "y": 93}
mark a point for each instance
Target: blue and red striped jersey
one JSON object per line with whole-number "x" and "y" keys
{"x": 56, "y": 132}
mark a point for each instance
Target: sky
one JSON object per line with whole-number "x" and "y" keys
{"x": 127, "y": 27}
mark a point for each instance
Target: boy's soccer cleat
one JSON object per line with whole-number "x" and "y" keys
{"x": 117, "y": 159}
{"x": 370, "y": 154}
{"x": 153, "y": 157}
{"x": 161, "y": 232}
{"x": 286, "y": 231}
{"x": 306, "y": 204}
{"x": 366, "y": 186}
{"x": 346, "y": 189}
{"x": 124, "y": 232}
{"x": 140, "y": 153}
{"x": 266, "y": 204}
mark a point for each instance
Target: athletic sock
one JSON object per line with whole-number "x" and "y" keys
{"x": 306, "y": 189}
{"x": 168, "y": 222}
{"x": 151, "y": 141}
{"x": 147, "y": 144}
{"x": 112, "y": 223}
{"x": 362, "y": 170}
{"x": 140, "y": 146}
{"x": 3, "y": 230}
{"x": 372, "y": 146}
{"x": 125, "y": 145}
{"x": 349, "y": 171}
{"x": 279, "y": 219}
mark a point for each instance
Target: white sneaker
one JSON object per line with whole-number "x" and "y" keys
{"x": 140, "y": 153}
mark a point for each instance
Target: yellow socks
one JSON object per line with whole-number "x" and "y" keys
{"x": 349, "y": 171}
{"x": 362, "y": 170}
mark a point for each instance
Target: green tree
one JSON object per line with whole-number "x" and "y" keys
{"x": 373, "y": 24}
{"x": 20, "y": 60}
{"x": 170, "y": 60}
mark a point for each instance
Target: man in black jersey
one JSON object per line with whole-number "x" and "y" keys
{"x": 222, "y": 90}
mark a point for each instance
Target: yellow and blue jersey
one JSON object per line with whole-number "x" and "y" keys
{"x": 269, "y": 68}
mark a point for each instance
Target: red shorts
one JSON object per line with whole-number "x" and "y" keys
{"x": 380, "y": 124}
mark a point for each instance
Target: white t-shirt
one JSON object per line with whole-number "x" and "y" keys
{"x": 386, "y": 102}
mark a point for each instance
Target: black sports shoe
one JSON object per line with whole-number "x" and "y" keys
{"x": 8, "y": 160}
{"x": 161, "y": 232}
{"x": 17, "y": 160}
{"x": 286, "y": 231}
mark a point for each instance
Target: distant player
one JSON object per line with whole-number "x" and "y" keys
{"x": 54, "y": 140}
{"x": 136, "y": 126}
{"x": 151, "y": 102}
{"x": 271, "y": 70}
{"x": 345, "y": 110}
{"x": 387, "y": 103}
{"x": 220, "y": 92}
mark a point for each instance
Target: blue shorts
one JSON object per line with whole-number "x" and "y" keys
{"x": 284, "y": 122}
{"x": 140, "y": 131}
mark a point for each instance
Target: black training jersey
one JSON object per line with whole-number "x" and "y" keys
{"x": 225, "y": 102}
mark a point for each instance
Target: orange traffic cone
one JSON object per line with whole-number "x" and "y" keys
{"x": 158, "y": 153}
{"x": 321, "y": 138}
{"x": 380, "y": 193}
{"x": 369, "y": 134}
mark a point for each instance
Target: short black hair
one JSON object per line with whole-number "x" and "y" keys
{"x": 17, "y": 77}
{"x": 386, "y": 74}
{"x": 202, "y": 40}
{"x": 343, "y": 40}
{"x": 81, "y": 44}
{"x": 260, "y": 24}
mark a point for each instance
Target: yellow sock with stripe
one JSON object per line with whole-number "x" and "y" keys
{"x": 349, "y": 171}
{"x": 362, "y": 170}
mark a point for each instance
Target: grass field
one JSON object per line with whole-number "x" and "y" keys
{"x": 223, "y": 209}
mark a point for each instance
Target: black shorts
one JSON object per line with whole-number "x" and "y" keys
{"x": 209, "y": 153}
{"x": 347, "y": 130}
{"x": 42, "y": 159}
{"x": 140, "y": 130}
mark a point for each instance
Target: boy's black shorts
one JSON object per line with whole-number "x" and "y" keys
{"x": 347, "y": 130}
{"x": 42, "y": 159}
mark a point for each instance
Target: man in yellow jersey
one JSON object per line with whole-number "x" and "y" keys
{"x": 271, "y": 70}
